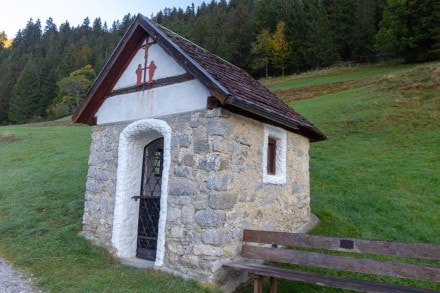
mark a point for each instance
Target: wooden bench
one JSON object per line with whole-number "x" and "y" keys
{"x": 308, "y": 251}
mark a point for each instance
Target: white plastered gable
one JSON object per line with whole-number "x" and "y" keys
{"x": 166, "y": 66}
{"x": 179, "y": 97}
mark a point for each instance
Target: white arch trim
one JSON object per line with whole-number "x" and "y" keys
{"x": 132, "y": 141}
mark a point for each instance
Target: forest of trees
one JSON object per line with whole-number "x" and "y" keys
{"x": 33, "y": 70}
{"x": 46, "y": 70}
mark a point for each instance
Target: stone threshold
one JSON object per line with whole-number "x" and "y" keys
{"x": 138, "y": 263}
{"x": 147, "y": 264}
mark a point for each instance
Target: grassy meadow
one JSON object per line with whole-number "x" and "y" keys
{"x": 376, "y": 176}
{"x": 378, "y": 173}
{"x": 332, "y": 75}
{"x": 43, "y": 172}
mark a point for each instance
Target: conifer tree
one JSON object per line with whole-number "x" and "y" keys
{"x": 237, "y": 37}
{"x": 410, "y": 29}
{"x": 317, "y": 47}
{"x": 23, "y": 104}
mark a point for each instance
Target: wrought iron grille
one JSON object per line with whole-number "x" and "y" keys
{"x": 149, "y": 206}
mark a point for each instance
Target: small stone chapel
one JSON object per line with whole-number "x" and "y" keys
{"x": 187, "y": 150}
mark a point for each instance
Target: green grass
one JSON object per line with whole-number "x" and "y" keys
{"x": 43, "y": 171}
{"x": 376, "y": 176}
{"x": 332, "y": 75}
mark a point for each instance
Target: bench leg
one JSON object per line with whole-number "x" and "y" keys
{"x": 273, "y": 285}
{"x": 258, "y": 283}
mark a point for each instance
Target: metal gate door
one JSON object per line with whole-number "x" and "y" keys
{"x": 149, "y": 206}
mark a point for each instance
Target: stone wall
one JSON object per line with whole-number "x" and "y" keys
{"x": 101, "y": 184}
{"x": 215, "y": 189}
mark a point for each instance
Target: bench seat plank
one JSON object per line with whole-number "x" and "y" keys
{"x": 322, "y": 279}
{"x": 382, "y": 247}
{"x": 361, "y": 265}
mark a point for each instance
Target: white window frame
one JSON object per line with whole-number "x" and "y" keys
{"x": 280, "y": 135}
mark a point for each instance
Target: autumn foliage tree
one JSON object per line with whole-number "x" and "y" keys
{"x": 261, "y": 50}
{"x": 274, "y": 49}
{"x": 4, "y": 41}
{"x": 72, "y": 91}
{"x": 280, "y": 48}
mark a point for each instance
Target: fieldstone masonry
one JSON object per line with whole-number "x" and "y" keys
{"x": 215, "y": 189}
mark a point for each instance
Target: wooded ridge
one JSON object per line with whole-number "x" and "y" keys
{"x": 45, "y": 72}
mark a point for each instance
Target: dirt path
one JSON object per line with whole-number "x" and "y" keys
{"x": 12, "y": 281}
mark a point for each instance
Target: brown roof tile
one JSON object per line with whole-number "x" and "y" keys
{"x": 242, "y": 86}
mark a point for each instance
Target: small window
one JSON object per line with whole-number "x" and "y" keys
{"x": 271, "y": 156}
{"x": 274, "y": 155}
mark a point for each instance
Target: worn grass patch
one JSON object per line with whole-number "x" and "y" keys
{"x": 333, "y": 80}
{"x": 308, "y": 92}
{"x": 8, "y": 137}
{"x": 332, "y": 75}
{"x": 66, "y": 121}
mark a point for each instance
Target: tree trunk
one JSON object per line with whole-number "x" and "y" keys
{"x": 267, "y": 70}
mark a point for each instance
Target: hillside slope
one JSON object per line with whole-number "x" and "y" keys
{"x": 376, "y": 176}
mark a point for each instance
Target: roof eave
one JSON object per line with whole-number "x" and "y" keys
{"x": 313, "y": 134}
{"x": 85, "y": 113}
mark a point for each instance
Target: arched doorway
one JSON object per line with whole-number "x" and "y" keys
{"x": 149, "y": 200}
{"x": 151, "y": 138}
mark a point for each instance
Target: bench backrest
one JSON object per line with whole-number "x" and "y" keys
{"x": 398, "y": 269}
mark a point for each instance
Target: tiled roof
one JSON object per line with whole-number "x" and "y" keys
{"x": 233, "y": 87}
{"x": 241, "y": 86}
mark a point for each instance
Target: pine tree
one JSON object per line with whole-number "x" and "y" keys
{"x": 23, "y": 104}
{"x": 410, "y": 29}
{"x": 423, "y": 28}
{"x": 342, "y": 18}
{"x": 238, "y": 29}
{"x": 5, "y": 85}
{"x": 11, "y": 64}
{"x": 317, "y": 47}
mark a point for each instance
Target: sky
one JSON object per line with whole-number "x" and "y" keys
{"x": 14, "y": 14}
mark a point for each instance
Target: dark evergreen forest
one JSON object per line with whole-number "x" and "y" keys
{"x": 47, "y": 70}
